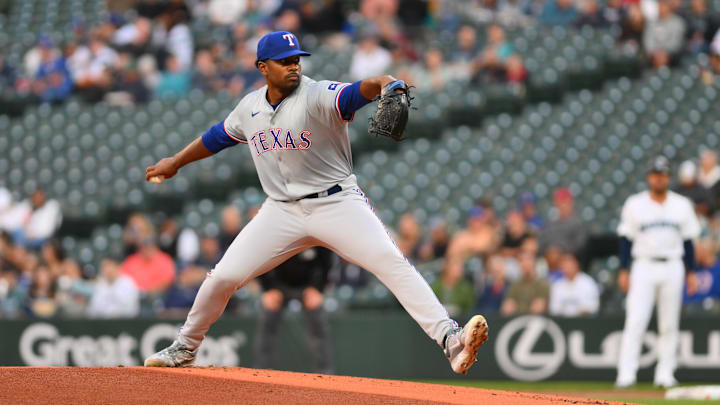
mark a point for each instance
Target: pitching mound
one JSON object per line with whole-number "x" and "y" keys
{"x": 222, "y": 385}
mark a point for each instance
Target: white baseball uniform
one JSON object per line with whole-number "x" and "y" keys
{"x": 657, "y": 232}
{"x": 301, "y": 147}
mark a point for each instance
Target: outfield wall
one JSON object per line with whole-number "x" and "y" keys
{"x": 371, "y": 344}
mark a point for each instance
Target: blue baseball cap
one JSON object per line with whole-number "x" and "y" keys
{"x": 279, "y": 45}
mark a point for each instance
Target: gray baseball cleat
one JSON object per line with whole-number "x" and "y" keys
{"x": 175, "y": 355}
{"x": 462, "y": 344}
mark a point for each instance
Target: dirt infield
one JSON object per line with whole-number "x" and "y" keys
{"x": 224, "y": 385}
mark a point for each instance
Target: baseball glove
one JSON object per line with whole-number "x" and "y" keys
{"x": 392, "y": 112}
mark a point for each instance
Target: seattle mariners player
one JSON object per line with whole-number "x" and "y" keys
{"x": 296, "y": 130}
{"x": 656, "y": 228}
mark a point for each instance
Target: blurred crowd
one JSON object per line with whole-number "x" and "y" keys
{"x": 525, "y": 262}
{"x": 152, "y": 50}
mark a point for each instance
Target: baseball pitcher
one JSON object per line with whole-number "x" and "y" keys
{"x": 656, "y": 229}
{"x": 296, "y": 131}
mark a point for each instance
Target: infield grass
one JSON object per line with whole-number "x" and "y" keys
{"x": 642, "y": 393}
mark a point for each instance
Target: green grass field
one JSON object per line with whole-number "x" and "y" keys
{"x": 643, "y": 393}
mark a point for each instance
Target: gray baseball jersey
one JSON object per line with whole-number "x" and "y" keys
{"x": 301, "y": 146}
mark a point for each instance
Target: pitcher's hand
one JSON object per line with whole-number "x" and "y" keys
{"x": 164, "y": 169}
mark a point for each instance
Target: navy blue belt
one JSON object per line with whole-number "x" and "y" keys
{"x": 332, "y": 190}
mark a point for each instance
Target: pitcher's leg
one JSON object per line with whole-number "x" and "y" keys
{"x": 668, "y": 314}
{"x": 273, "y": 236}
{"x": 638, "y": 310}
{"x": 351, "y": 229}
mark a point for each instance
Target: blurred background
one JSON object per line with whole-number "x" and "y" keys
{"x": 535, "y": 120}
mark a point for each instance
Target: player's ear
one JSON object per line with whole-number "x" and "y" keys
{"x": 261, "y": 66}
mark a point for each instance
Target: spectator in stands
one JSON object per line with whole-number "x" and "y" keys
{"x": 566, "y": 230}
{"x": 127, "y": 86}
{"x": 206, "y": 77}
{"x": 151, "y": 269}
{"x": 715, "y": 54}
{"x": 330, "y": 18}
{"x": 709, "y": 174}
{"x": 528, "y": 207}
{"x": 409, "y": 233}
{"x": 437, "y": 242}
{"x": 463, "y": 57}
{"x": 303, "y": 277}
{"x": 701, "y": 26}
{"x": 369, "y": 58}
{"x": 492, "y": 63}
{"x": 479, "y": 238}
{"x": 434, "y": 74}
{"x": 210, "y": 253}
{"x": 42, "y": 293}
{"x": 529, "y": 294}
{"x": 689, "y": 187}
{"x": 591, "y": 14}
{"x": 663, "y": 38}
{"x": 35, "y": 220}
{"x": 138, "y": 226}
{"x": 613, "y": 11}
{"x": 553, "y": 259}
{"x": 12, "y": 294}
{"x": 175, "y": 81}
{"x": 176, "y": 38}
{"x": 706, "y": 295}
{"x": 559, "y": 12}
{"x": 72, "y": 290}
{"x": 226, "y": 12}
{"x": 515, "y": 72}
{"x": 7, "y": 74}
{"x": 576, "y": 294}
{"x": 182, "y": 244}
{"x": 632, "y": 27}
{"x": 453, "y": 290}
{"x": 51, "y": 80}
{"x": 181, "y": 295}
{"x": 516, "y": 232}
{"x": 492, "y": 284}
{"x": 114, "y": 294}
{"x": 512, "y": 14}
{"x": 34, "y": 56}
{"x": 288, "y": 19}
{"x": 91, "y": 68}
{"x": 231, "y": 223}
{"x": 134, "y": 38}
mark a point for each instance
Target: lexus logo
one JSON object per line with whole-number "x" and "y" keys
{"x": 524, "y": 363}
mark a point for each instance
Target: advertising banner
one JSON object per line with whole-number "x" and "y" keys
{"x": 528, "y": 348}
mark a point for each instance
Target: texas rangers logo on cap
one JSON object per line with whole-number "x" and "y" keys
{"x": 279, "y": 45}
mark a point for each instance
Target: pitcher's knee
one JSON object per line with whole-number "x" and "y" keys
{"x": 225, "y": 280}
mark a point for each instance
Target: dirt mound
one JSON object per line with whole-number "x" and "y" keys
{"x": 225, "y": 385}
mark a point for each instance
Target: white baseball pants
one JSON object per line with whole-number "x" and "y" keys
{"x": 652, "y": 281}
{"x": 343, "y": 222}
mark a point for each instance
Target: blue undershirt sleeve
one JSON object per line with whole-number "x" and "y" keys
{"x": 689, "y": 255}
{"x": 216, "y": 139}
{"x": 350, "y": 100}
{"x": 625, "y": 249}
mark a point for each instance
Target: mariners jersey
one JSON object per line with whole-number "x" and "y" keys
{"x": 658, "y": 230}
{"x": 301, "y": 146}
